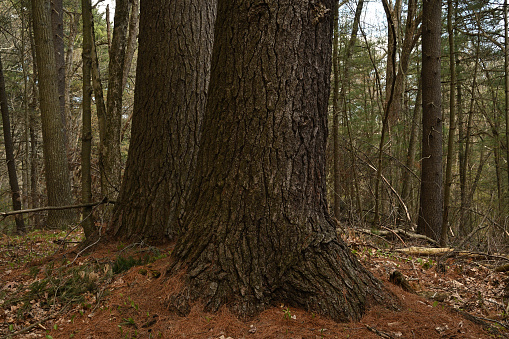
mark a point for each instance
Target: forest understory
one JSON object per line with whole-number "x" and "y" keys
{"x": 51, "y": 289}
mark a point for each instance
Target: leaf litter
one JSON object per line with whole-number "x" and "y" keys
{"x": 48, "y": 291}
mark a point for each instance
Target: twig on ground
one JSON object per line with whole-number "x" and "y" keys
{"x": 380, "y": 333}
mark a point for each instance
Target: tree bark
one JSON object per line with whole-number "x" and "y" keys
{"x": 9, "y": 153}
{"x": 175, "y": 48}
{"x": 258, "y": 231}
{"x": 431, "y": 200}
{"x": 58, "y": 183}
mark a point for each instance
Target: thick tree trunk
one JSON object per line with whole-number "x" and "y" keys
{"x": 258, "y": 230}
{"x": 9, "y": 154}
{"x": 171, "y": 84}
{"x": 431, "y": 201}
{"x": 56, "y": 167}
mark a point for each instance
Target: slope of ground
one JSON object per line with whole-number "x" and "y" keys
{"x": 120, "y": 291}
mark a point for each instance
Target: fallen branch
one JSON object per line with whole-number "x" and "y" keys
{"x": 52, "y": 208}
{"x": 502, "y": 268}
{"x": 447, "y": 255}
{"x": 379, "y": 333}
{"x": 425, "y": 250}
{"x": 400, "y": 232}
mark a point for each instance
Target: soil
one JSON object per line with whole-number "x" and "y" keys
{"x": 467, "y": 301}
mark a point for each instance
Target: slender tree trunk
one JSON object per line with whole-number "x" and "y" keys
{"x": 342, "y": 99}
{"x": 172, "y": 80}
{"x": 258, "y": 231}
{"x": 465, "y": 220}
{"x": 9, "y": 154}
{"x": 132, "y": 40}
{"x": 452, "y": 124}
{"x": 57, "y": 24}
{"x": 110, "y": 161}
{"x": 98, "y": 88}
{"x": 412, "y": 146}
{"x": 86, "y": 135}
{"x": 26, "y": 107}
{"x": 58, "y": 183}
{"x": 35, "y": 196}
{"x": 108, "y": 28}
{"x": 73, "y": 29}
{"x": 431, "y": 200}
{"x": 506, "y": 82}
{"x": 390, "y": 85}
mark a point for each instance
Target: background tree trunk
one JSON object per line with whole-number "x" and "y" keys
{"x": 172, "y": 80}
{"x": 110, "y": 161}
{"x": 9, "y": 154}
{"x": 431, "y": 200}
{"x": 506, "y": 84}
{"x": 132, "y": 40}
{"x": 258, "y": 229}
{"x": 343, "y": 99}
{"x": 58, "y": 183}
{"x": 413, "y": 142}
{"x": 86, "y": 135}
{"x": 452, "y": 125}
{"x": 57, "y": 27}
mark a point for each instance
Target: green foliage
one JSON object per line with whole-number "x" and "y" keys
{"x": 123, "y": 264}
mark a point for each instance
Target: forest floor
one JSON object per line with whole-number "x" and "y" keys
{"x": 120, "y": 291}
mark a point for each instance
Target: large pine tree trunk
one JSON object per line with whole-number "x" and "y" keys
{"x": 257, "y": 226}
{"x": 171, "y": 84}
{"x": 56, "y": 167}
{"x": 431, "y": 201}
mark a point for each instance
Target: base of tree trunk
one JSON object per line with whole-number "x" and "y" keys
{"x": 326, "y": 279}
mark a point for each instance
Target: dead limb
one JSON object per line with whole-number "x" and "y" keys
{"x": 379, "y": 333}
{"x": 401, "y": 232}
{"x": 51, "y": 208}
